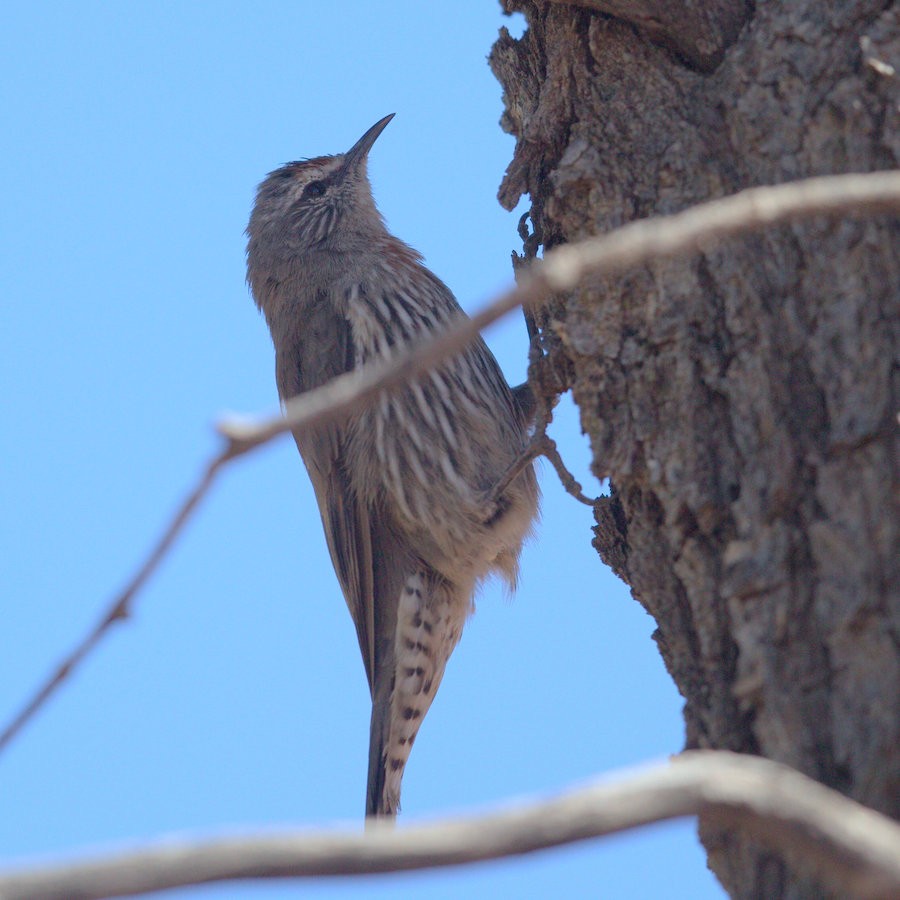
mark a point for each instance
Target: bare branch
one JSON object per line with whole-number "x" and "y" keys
{"x": 564, "y": 267}
{"x": 561, "y": 270}
{"x": 540, "y": 445}
{"x": 120, "y": 608}
{"x": 851, "y": 849}
{"x": 570, "y": 485}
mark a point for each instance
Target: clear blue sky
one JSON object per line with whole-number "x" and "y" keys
{"x": 133, "y": 137}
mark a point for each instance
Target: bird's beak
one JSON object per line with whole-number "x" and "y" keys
{"x": 360, "y": 150}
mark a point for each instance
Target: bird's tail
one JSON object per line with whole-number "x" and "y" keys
{"x": 379, "y": 730}
{"x": 430, "y": 617}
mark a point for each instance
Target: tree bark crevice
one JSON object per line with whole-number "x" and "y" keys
{"x": 743, "y": 401}
{"x": 698, "y": 32}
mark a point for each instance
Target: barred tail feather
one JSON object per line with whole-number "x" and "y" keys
{"x": 430, "y": 617}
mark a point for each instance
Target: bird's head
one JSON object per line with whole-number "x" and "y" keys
{"x": 323, "y": 203}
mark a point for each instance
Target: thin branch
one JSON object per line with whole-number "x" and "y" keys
{"x": 564, "y": 267}
{"x": 540, "y": 445}
{"x": 120, "y": 608}
{"x": 852, "y": 850}
{"x": 561, "y": 270}
{"x": 548, "y": 449}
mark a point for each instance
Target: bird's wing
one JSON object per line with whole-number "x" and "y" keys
{"x": 367, "y": 556}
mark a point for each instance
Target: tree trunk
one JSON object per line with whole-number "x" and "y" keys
{"x": 743, "y": 401}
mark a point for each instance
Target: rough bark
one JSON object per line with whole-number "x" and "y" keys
{"x": 742, "y": 402}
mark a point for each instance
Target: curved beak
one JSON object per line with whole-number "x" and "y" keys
{"x": 360, "y": 150}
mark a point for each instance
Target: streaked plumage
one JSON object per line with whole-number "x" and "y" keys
{"x": 404, "y": 486}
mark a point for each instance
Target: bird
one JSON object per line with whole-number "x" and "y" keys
{"x": 407, "y": 486}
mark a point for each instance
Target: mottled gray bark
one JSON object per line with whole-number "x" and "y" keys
{"x": 743, "y": 402}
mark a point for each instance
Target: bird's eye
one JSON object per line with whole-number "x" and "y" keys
{"x": 313, "y": 189}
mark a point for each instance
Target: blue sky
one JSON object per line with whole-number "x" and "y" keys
{"x": 133, "y": 137}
